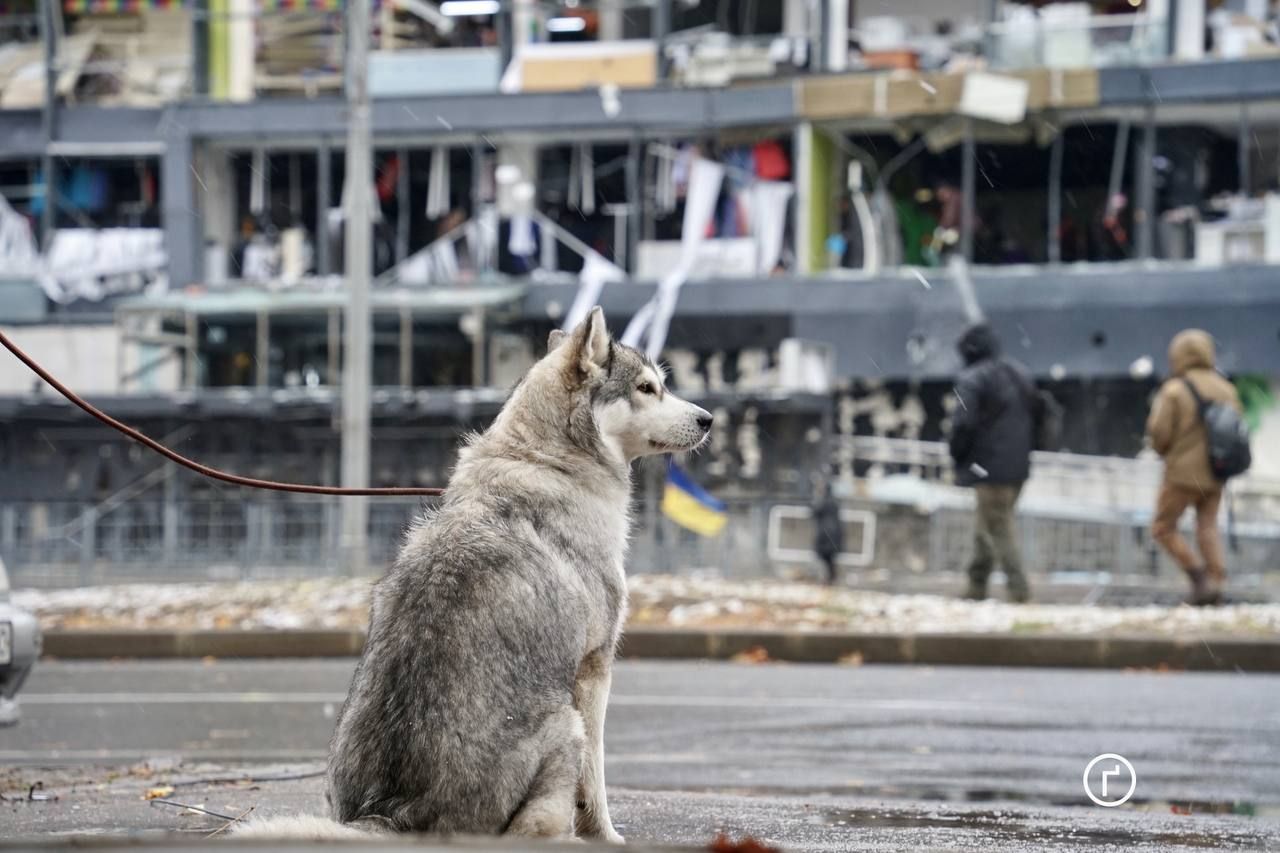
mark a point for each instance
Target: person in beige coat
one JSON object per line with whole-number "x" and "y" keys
{"x": 1178, "y": 435}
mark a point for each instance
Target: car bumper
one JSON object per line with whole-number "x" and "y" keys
{"x": 26, "y": 648}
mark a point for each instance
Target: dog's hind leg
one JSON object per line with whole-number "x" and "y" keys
{"x": 548, "y": 808}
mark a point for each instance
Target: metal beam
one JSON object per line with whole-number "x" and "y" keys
{"x": 295, "y": 123}
{"x": 403, "y": 208}
{"x": 506, "y": 37}
{"x": 1190, "y": 82}
{"x": 262, "y": 350}
{"x": 49, "y": 115}
{"x": 661, "y": 30}
{"x": 324, "y": 195}
{"x": 1054, "y": 236}
{"x": 333, "y": 349}
{"x": 406, "y": 348}
{"x": 1144, "y": 213}
{"x": 1137, "y": 308}
{"x": 191, "y": 360}
{"x": 1243, "y": 154}
{"x": 635, "y": 198}
{"x": 968, "y": 191}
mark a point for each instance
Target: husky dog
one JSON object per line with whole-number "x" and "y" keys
{"x": 479, "y": 703}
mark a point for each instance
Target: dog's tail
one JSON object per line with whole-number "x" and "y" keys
{"x": 303, "y": 828}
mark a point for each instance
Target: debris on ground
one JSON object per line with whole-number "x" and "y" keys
{"x": 747, "y": 844}
{"x": 755, "y": 654}
{"x": 656, "y": 601}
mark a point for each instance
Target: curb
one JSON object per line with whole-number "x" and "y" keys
{"x": 1198, "y": 653}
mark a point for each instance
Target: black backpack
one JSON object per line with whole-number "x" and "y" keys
{"x": 1046, "y": 412}
{"x": 1227, "y": 434}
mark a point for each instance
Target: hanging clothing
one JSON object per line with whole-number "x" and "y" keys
{"x": 596, "y": 272}
{"x": 438, "y": 189}
{"x": 520, "y": 239}
{"x": 258, "y": 183}
{"x": 769, "y": 202}
{"x": 654, "y": 318}
{"x": 771, "y": 163}
{"x": 388, "y": 177}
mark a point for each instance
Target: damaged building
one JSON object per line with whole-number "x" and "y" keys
{"x": 839, "y": 187}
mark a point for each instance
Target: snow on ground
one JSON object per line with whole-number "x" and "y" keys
{"x": 656, "y": 600}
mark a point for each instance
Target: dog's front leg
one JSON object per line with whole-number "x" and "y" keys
{"x": 591, "y": 695}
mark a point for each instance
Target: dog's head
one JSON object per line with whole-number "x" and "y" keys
{"x": 624, "y": 394}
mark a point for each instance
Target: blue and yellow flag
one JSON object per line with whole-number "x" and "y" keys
{"x": 689, "y": 505}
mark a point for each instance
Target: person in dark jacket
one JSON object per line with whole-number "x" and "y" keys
{"x": 828, "y": 530}
{"x": 992, "y": 435}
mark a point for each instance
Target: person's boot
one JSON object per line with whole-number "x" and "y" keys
{"x": 975, "y": 592}
{"x": 1201, "y": 594}
{"x": 1019, "y": 593}
{"x": 1212, "y": 592}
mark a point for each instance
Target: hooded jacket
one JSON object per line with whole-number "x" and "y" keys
{"x": 1174, "y": 426}
{"x": 993, "y": 423}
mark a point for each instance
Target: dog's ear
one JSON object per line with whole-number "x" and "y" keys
{"x": 591, "y": 343}
{"x": 555, "y": 339}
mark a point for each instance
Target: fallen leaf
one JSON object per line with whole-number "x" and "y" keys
{"x": 747, "y": 844}
{"x": 755, "y": 654}
{"x": 851, "y": 659}
{"x": 157, "y": 793}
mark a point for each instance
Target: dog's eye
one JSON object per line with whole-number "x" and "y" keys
{"x": 646, "y": 388}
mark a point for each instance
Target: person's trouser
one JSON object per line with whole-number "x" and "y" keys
{"x": 1171, "y": 503}
{"x": 995, "y": 541}
{"x": 829, "y": 562}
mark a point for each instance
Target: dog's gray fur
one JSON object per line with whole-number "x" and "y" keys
{"x": 478, "y": 705}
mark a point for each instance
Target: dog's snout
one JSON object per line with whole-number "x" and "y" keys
{"x": 704, "y": 420}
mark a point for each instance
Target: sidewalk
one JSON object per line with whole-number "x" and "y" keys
{"x": 673, "y": 617}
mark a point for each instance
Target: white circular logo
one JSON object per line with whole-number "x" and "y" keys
{"x": 1109, "y": 781}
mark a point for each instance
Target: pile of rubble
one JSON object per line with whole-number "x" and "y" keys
{"x": 656, "y": 601}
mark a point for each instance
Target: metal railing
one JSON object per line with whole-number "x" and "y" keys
{"x": 1037, "y": 41}
{"x": 903, "y": 522}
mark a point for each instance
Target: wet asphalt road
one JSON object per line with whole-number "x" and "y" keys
{"x": 810, "y": 757}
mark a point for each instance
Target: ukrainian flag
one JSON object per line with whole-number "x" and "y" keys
{"x": 689, "y": 505}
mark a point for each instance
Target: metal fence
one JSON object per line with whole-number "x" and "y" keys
{"x": 904, "y": 521}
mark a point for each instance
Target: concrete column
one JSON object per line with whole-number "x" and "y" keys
{"x": 241, "y": 43}
{"x": 358, "y": 352}
{"x": 524, "y": 21}
{"x": 610, "y": 12}
{"x": 836, "y": 32}
{"x": 180, "y": 218}
{"x": 200, "y": 48}
{"x": 217, "y": 198}
{"x": 1188, "y": 29}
